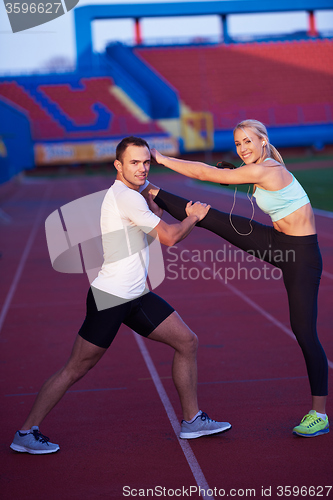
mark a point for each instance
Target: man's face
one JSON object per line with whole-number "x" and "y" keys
{"x": 134, "y": 167}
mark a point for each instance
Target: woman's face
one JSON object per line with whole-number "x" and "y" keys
{"x": 248, "y": 145}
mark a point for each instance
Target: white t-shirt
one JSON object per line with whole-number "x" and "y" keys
{"x": 125, "y": 221}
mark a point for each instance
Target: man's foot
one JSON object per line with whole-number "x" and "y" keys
{"x": 312, "y": 425}
{"x": 33, "y": 442}
{"x": 202, "y": 426}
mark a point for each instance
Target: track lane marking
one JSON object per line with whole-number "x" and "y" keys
{"x": 259, "y": 309}
{"x": 68, "y": 392}
{"x": 24, "y": 257}
{"x": 187, "y": 450}
{"x": 242, "y": 196}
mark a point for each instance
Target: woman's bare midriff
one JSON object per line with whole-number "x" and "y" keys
{"x": 299, "y": 223}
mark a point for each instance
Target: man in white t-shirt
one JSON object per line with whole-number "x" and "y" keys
{"x": 119, "y": 295}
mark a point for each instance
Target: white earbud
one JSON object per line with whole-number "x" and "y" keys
{"x": 264, "y": 143}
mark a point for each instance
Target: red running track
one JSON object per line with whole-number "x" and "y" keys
{"x": 118, "y": 426}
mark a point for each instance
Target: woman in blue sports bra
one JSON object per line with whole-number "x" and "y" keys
{"x": 279, "y": 194}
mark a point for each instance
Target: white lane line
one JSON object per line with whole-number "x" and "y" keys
{"x": 323, "y": 213}
{"x": 68, "y": 392}
{"x": 187, "y": 450}
{"x": 23, "y": 259}
{"x": 262, "y": 311}
{"x": 228, "y": 192}
{"x": 327, "y": 274}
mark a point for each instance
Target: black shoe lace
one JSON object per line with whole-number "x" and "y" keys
{"x": 204, "y": 416}
{"x": 40, "y": 437}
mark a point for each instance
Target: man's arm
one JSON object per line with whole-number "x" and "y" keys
{"x": 170, "y": 234}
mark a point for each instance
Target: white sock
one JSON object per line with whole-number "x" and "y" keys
{"x": 195, "y": 416}
{"x": 321, "y": 415}
{"x": 27, "y": 431}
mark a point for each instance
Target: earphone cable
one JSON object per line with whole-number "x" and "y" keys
{"x": 233, "y": 205}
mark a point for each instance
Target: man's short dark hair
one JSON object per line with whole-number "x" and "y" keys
{"x": 129, "y": 141}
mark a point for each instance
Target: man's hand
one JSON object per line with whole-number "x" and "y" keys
{"x": 158, "y": 157}
{"x": 153, "y": 206}
{"x": 198, "y": 209}
{"x": 170, "y": 234}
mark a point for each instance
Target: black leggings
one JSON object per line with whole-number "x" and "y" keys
{"x": 299, "y": 259}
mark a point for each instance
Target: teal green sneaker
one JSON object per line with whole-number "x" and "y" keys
{"x": 312, "y": 425}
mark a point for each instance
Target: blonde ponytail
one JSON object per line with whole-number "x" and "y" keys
{"x": 274, "y": 153}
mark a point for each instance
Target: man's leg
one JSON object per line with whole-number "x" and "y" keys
{"x": 154, "y": 318}
{"x": 174, "y": 332}
{"x": 83, "y": 357}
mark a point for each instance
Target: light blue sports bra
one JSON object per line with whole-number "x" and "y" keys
{"x": 285, "y": 201}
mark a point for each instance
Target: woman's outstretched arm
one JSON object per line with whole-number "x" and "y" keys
{"x": 247, "y": 174}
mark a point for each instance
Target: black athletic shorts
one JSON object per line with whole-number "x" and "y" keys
{"x": 142, "y": 315}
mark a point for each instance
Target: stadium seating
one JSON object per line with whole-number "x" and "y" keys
{"x": 66, "y": 111}
{"x": 42, "y": 123}
{"x": 280, "y": 83}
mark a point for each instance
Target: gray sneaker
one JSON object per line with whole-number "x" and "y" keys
{"x": 33, "y": 442}
{"x": 202, "y": 426}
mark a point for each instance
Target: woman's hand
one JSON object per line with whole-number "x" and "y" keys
{"x": 158, "y": 157}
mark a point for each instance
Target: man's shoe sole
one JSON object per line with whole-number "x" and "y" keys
{"x": 22, "y": 449}
{"x": 193, "y": 435}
